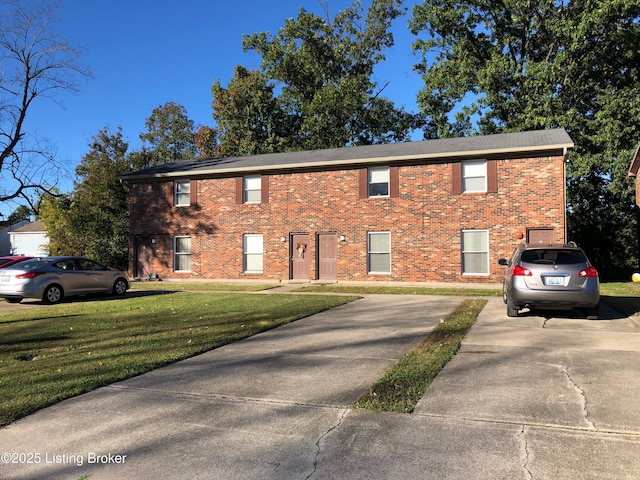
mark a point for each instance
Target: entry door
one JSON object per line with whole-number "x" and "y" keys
{"x": 327, "y": 256}
{"x": 300, "y": 256}
{"x": 143, "y": 257}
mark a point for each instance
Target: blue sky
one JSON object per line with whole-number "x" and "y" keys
{"x": 144, "y": 53}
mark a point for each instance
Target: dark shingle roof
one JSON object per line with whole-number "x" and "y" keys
{"x": 433, "y": 150}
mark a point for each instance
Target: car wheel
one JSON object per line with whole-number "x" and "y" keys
{"x": 512, "y": 311}
{"x": 120, "y": 287}
{"x": 53, "y": 294}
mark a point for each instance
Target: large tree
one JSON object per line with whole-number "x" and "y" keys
{"x": 249, "y": 117}
{"x": 316, "y": 87}
{"x": 169, "y": 136}
{"x": 36, "y": 64}
{"x": 520, "y": 65}
{"x": 93, "y": 220}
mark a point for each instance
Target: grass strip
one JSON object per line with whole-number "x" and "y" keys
{"x": 202, "y": 287}
{"x": 403, "y": 385}
{"x": 403, "y": 290}
{"x": 55, "y": 352}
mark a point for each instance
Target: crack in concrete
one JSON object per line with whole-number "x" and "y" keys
{"x": 583, "y": 398}
{"x": 322, "y": 437}
{"x": 525, "y": 453}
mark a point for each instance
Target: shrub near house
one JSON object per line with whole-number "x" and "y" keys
{"x": 438, "y": 210}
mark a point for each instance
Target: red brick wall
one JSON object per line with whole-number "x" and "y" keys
{"x": 425, "y": 221}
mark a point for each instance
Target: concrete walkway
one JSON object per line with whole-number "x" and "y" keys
{"x": 526, "y": 398}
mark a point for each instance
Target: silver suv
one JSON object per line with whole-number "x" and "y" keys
{"x": 556, "y": 277}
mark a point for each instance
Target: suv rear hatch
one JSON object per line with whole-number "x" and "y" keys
{"x": 555, "y": 269}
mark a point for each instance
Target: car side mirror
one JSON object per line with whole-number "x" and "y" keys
{"x": 503, "y": 261}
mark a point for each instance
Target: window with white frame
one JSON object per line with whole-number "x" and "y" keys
{"x": 378, "y": 184}
{"x": 182, "y": 254}
{"x": 182, "y": 192}
{"x": 474, "y": 176}
{"x": 379, "y": 252}
{"x": 475, "y": 252}
{"x": 252, "y": 189}
{"x": 253, "y": 253}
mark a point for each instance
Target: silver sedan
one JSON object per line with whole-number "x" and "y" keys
{"x": 53, "y": 278}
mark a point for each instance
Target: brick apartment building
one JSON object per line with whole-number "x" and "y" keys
{"x": 430, "y": 211}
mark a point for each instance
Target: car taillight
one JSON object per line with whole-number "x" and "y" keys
{"x": 519, "y": 271}
{"x": 29, "y": 275}
{"x": 588, "y": 272}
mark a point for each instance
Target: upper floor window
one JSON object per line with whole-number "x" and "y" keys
{"x": 182, "y": 192}
{"x": 378, "y": 183}
{"x": 252, "y": 189}
{"x": 474, "y": 176}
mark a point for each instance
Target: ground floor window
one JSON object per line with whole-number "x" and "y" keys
{"x": 253, "y": 253}
{"x": 182, "y": 254}
{"x": 475, "y": 252}
{"x": 379, "y": 252}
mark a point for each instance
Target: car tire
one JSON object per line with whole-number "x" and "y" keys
{"x": 512, "y": 311}
{"x": 53, "y": 294}
{"x": 120, "y": 287}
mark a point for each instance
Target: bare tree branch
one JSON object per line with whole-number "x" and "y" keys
{"x": 35, "y": 62}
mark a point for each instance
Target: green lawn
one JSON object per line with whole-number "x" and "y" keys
{"x": 202, "y": 287}
{"x": 622, "y": 296}
{"x": 51, "y": 353}
{"x": 48, "y": 353}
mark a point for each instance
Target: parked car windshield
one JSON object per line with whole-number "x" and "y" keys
{"x": 553, "y": 256}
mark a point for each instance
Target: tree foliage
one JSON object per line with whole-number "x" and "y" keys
{"x": 315, "y": 88}
{"x": 521, "y": 65}
{"x": 169, "y": 136}
{"x": 94, "y": 220}
{"x": 248, "y": 115}
{"x": 19, "y": 214}
{"x": 36, "y": 63}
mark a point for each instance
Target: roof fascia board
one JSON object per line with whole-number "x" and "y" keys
{"x": 360, "y": 161}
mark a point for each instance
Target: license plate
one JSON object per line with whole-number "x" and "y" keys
{"x": 554, "y": 280}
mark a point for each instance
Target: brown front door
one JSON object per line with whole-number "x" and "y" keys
{"x": 143, "y": 257}
{"x": 327, "y": 256}
{"x": 300, "y": 256}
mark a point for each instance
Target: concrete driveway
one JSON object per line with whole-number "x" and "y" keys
{"x": 526, "y": 398}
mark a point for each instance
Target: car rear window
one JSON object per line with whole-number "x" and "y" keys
{"x": 30, "y": 264}
{"x": 553, "y": 256}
